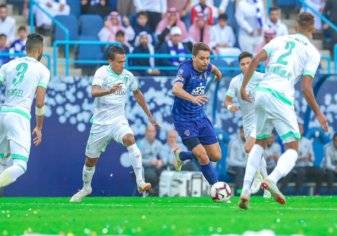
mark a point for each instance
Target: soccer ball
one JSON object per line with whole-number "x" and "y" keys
{"x": 221, "y": 192}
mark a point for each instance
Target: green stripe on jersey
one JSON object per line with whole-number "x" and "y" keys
{"x": 19, "y": 157}
{"x": 276, "y": 94}
{"x": 42, "y": 85}
{"x": 17, "y": 111}
{"x": 292, "y": 135}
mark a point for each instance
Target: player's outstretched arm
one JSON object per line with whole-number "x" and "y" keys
{"x": 39, "y": 114}
{"x": 310, "y": 98}
{"x": 179, "y": 91}
{"x": 261, "y": 56}
{"x": 217, "y": 73}
{"x": 98, "y": 91}
{"x": 143, "y": 104}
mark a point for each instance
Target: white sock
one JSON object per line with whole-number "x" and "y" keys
{"x": 136, "y": 162}
{"x": 284, "y": 165}
{"x": 253, "y": 164}
{"x": 87, "y": 174}
{"x": 263, "y": 167}
{"x": 10, "y": 174}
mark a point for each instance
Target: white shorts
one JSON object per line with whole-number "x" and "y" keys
{"x": 249, "y": 127}
{"x": 272, "y": 112}
{"x": 15, "y": 136}
{"x": 101, "y": 135}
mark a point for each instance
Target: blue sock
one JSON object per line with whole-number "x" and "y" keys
{"x": 186, "y": 156}
{"x": 209, "y": 173}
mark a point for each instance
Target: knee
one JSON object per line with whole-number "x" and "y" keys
{"x": 21, "y": 164}
{"x": 129, "y": 140}
{"x": 90, "y": 162}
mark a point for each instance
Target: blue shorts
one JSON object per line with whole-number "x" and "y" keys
{"x": 202, "y": 129}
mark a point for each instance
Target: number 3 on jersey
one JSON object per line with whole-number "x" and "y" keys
{"x": 289, "y": 47}
{"x": 20, "y": 73}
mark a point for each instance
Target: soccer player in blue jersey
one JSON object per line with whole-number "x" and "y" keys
{"x": 190, "y": 120}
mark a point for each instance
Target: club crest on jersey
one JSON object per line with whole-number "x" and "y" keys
{"x": 187, "y": 132}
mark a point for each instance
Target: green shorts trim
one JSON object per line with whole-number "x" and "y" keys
{"x": 263, "y": 136}
{"x": 19, "y": 157}
{"x": 2, "y": 155}
{"x": 291, "y": 135}
{"x": 276, "y": 94}
{"x": 17, "y": 111}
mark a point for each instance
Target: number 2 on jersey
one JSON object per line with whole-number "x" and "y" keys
{"x": 20, "y": 73}
{"x": 289, "y": 47}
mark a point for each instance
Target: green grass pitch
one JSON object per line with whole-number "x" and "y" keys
{"x": 166, "y": 216}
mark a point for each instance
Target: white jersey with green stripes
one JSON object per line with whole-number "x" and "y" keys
{"x": 290, "y": 57}
{"x": 107, "y": 108}
{"x": 246, "y": 108}
{"x": 21, "y": 77}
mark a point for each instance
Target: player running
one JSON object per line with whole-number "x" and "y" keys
{"x": 24, "y": 79}
{"x": 247, "y": 112}
{"x": 290, "y": 57}
{"x": 110, "y": 87}
{"x": 190, "y": 120}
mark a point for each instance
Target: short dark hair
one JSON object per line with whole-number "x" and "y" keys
{"x": 34, "y": 41}
{"x": 3, "y": 36}
{"x": 3, "y": 5}
{"x": 120, "y": 33}
{"x": 22, "y": 27}
{"x": 223, "y": 16}
{"x": 244, "y": 55}
{"x": 305, "y": 20}
{"x": 200, "y": 47}
{"x": 274, "y": 9}
{"x": 115, "y": 49}
{"x": 143, "y": 13}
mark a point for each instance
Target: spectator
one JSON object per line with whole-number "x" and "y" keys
{"x": 304, "y": 170}
{"x": 223, "y": 6}
{"x": 120, "y": 37}
{"x": 19, "y": 45}
{"x": 205, "y": 10}
{"x": 236, "y": 160}
{"x": 200, "y": 31}
{"x": 152, "y": 160}
{"x": 3, "y": 49}
{"x": 331, "y": 13}
{"x": 54, "y": 8}
{"x": 112, "y": 25}
{"x": 176, "y": 48}
{"x": 168, "y": 155}
{"x": 126, "y": 8}
{"x": 182, "y": 6}
{"x": 250, "y": 16}
{"x": 274, "y": 22}
{"x": 222, "y": 35}
{"x": 143, "y": 45}
{"x": 330, "y": 162}
{"x": 7, "y": 24}
{"x": 171, "y": 19}
{"x": 154, "y": 9}
{"x": 142, "y": 23}
{"x": 268, "y": 35}
{"x": 272, "y": 153}
{"x": 95, "y": 7}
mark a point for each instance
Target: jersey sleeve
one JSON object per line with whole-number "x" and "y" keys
{"x": 231, "y": 89}
{"x": 311, "y": 66}
{"x": 98, "y": 78}
{"x": 44, "y": 78}
{"x": 182, "y": 74}
{"x": 134, "y": 83}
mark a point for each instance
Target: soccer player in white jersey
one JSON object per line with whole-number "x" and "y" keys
{"x": 110, "y": 87}
{"x": 290, "y": 58}
{"x": 247, "y": 111}
{"x": 24, "y": 79}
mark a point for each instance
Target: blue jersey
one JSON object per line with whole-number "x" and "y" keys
{"x": 194, "y": 83}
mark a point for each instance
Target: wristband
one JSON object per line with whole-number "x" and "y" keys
{"x": 39, "y": 111}
{"x": 229, "y": 107}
